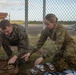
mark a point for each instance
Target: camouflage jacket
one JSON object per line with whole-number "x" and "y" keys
{"x": 18, "y": 38}
{"x": 60, "y": 39}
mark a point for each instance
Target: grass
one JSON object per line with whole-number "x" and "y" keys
{"x": 32, "y": 40}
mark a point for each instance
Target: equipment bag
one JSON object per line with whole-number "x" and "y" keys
{"x": 6, "y": 69}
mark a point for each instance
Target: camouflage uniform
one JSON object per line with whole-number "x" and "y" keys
{"x": 18, "y": 38}
{"x": 63, "y": 48}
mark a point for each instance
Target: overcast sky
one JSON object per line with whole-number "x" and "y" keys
{"x": 63, "y": 9}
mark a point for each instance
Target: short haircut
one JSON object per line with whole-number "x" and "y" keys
{"x": 51, "y": 17}
{"x": 4, "y": 23}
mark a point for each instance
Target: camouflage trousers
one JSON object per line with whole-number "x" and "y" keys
{"x": 65, "y": 58}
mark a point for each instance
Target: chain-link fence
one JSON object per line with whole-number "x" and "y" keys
{"x": 35, "y": 16}
{"x": 63, "y": 9}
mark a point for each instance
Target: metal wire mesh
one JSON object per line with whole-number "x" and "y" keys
{"x": 65, "y": 10}
{"x": 35, "y": 9}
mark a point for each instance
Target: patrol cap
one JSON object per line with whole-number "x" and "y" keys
{"x": 51, "y": 17}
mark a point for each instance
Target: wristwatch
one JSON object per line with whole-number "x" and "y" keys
{"x": 43, "y": 56}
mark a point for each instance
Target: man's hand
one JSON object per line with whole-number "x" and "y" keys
{"x": 12, "y": 60}
{"x": 38, "y": 61}
{"x": 26, "y": 56}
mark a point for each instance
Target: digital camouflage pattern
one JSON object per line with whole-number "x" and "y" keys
{"x": 62, "y": 49}
{"x": 17, "y": 38}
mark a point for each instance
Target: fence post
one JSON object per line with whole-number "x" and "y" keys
{"x": 26, "y": 15}
{"x": 44, "y": 8}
